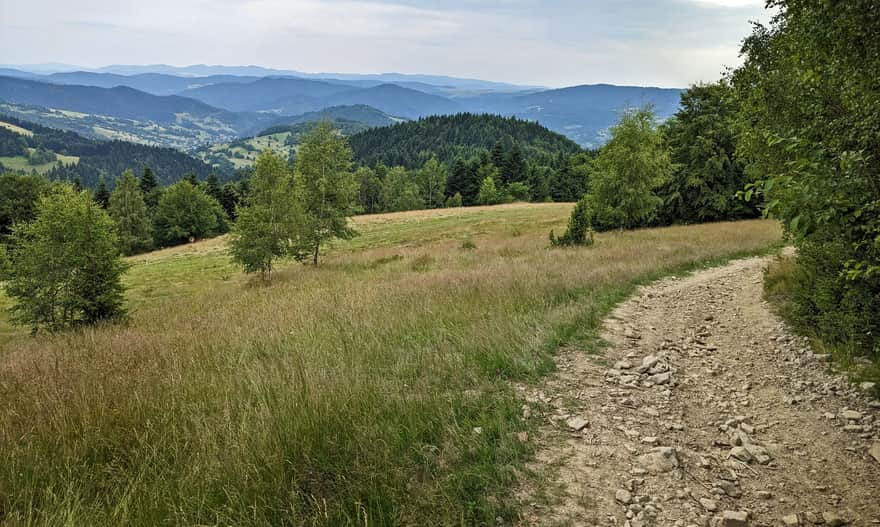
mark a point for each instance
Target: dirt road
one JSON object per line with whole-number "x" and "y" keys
{"x": 704, "y": 410}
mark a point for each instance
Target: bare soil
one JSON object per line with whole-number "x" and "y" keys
{"x": 704, "y": 410}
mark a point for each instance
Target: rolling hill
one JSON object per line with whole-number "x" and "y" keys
{"x": 286, "y": 133}
{"x": 583, "y": 113}
{"x": 449, "y": 137}
{"x": 61, "y": 154}
{"x": 227, "y": 103}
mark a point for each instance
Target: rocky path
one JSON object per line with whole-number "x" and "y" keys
{"x": 704, "y": 411}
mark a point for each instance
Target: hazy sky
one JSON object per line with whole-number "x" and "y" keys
{"x": 551, "y": 42}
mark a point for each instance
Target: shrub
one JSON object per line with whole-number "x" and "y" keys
{"x": 579, "y": 231}
{"x": 454, "y": 200}
{"x": 66, "y": 268}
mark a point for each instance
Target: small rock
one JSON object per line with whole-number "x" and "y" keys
{"x": 651, "y": 440}
{"x": 709, "y": 505}
{"x": 832, "y": 519}
{"x": 577, "y": 424}
{"x": 623, "y": 496}
{"x": 661, "y": 378}
{"x": 659, "y": 460}
{"x": 759, "y": 453}
{"x": 867, "y": 386}
{"x": 478, "y": 430}
{"x": 875, "y": 451}
{"x": 523, "y": 437}
{"x": 741, "y": 454}
{"x": 631, "y": 334}
{"x": 623, "y": 365}
{"x": 764, "y": 494}
{"x": 851, "y": 415}
{"x": 791, "y": 520}
{"x": 734, "y": 519}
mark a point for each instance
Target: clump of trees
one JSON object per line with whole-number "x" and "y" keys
{"x": 293, "y": 212}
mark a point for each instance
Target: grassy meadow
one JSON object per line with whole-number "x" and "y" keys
{"x": 373, "y": 390}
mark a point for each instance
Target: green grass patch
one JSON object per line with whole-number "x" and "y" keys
{"x": 373, "y": 390}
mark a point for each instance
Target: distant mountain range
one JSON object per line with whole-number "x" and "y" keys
{"x": 207, "y": 104}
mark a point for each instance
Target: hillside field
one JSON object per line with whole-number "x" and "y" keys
{"x": 373, "y": 390}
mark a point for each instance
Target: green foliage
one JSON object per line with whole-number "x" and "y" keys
{"x": 19, "y": 195}
{"x": 186, "y": 212}
{"x": 431, "y": 179}
{"x": 627, "y": 173}
{"x": 464, "y": 136}
{"x": 129, "y": 212}
{"x": 400, "y": 192}
{"x": 579, "y": 231}
{"x": 453, "y": 200}
{"x": 267, "y": 226}
{"x": 809, "y": 129}
{"x": 328, "y": 189}
{"x": 102, "y": 195}
{"x": 66, "y": 268}
{"x": 5, "y": 264}
{"x": 40, "y": 156}
{"x": 489, "y": 193}
{"x": 707, "y": 173}
{"x": 519, "y": 191}
{"x": 369, "y": 190}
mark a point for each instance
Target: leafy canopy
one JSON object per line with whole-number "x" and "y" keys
{"x": 66, "y": 268}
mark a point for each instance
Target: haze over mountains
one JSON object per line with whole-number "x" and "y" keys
{"x": 187, "y": 107}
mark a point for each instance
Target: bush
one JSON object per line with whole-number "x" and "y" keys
{"x": 186, "y": 211}
{"x": 66, "y": 268}
{"x": 454, "y": 200}
{"x": 519, "y": 191}
{"x": 579, "y": 231}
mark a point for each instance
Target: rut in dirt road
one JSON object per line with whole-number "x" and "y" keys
{"x": 704, "y": 410}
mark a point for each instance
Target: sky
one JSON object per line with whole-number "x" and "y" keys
{"x": 668, "y": 43}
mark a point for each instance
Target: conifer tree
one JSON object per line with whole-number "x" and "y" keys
{"x": 102, "y": 195}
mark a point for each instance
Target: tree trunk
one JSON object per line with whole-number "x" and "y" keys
{"x": 315, "y": 256}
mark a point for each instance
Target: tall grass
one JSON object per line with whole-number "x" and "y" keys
{"x": 374, "y": 390}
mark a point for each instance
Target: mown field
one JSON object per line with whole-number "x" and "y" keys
{"x": 347, "y": 394}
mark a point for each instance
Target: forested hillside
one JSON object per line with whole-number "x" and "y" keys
{"x": 28, "y": 145}
{"x": 454, "y": 137}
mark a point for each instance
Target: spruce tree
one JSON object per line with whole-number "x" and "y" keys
{"x": 102, "y": 195}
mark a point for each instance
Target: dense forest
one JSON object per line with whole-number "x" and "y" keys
{"x": 461, "y": 136}
{"x": 97, "y": 159}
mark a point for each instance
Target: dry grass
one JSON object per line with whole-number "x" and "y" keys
{"x": 346, "y": 394}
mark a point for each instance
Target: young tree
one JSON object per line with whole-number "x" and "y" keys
{"x": 327, "y": 187}
{"x": 579, "y": 231}
{"x": 102, "y": 195}
{"x": 148, "y": 181}
{"x": 453, "y": 201}
{"x": 369, "y": 190}
{"x": 128, "y": 210}
{"x": 431, "y": 179}
{"x": 627, "y": 172}
{"x": 489, "y": 194}
{"x": 66, "y": 268}
{"x": 267, "y": 226}
{"x": 400, "y": 192}
{"x": 212, "y": 186}
{"x": 185, "y": 211}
